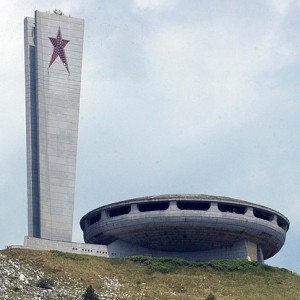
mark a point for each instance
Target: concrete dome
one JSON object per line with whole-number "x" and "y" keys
{"x": 186, "y": 223}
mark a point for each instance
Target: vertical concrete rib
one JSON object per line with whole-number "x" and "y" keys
{"x": 31, "y": 130}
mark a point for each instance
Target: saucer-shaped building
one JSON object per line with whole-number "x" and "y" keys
{"x": 196, "y": 227}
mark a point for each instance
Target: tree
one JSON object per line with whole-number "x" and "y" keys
{"x": 90, "y": 294}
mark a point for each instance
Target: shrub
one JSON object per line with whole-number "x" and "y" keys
{"x": 16, "y": 289}
{"x": 45, "y": 283}
{"x": 211, "y": 297}
{"x": 168, "y": 265}
{"x": 90, "y": 294}
{"x": 267, "y": 268}
{"x": 161, "y": 264}
{"x": 233, "y": 265}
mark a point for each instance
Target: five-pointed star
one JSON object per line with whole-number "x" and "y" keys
{"x": 58, "y": 50}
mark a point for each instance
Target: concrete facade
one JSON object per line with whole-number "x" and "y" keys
{"x": 70, "y": 247}
{"x": 239, "y": 250}
{"x": 53, "y": 61}
{"x": 197, "y": 227}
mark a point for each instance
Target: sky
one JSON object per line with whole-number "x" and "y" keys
{"x": 177, "y": 96}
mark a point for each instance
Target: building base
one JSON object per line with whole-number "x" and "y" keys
{"x": 240, "y": 250}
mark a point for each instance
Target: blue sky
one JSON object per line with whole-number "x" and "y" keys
{"x": 177, "y": 97}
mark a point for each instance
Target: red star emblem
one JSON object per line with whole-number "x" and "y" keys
{"x": 58, "y": 49}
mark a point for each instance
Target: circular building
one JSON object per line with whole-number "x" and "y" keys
{"x": 197, "y": 227}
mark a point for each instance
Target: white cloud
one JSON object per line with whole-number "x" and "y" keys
{"x": 207, "y": 77}
{"x": 155, "y": 4}
{"x": 281, "y": 6}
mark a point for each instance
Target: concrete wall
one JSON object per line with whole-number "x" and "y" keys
{"x": 70, "y": 247}
{"x": 52, "y": 111}
{"x": 240, "y": 250}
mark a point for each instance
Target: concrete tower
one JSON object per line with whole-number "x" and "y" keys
{"x": 53, "y": 60}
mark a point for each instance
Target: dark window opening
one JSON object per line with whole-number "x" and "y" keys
{"x": 262, "y": 214}
{"x": 95, "y": 219}
{"x": 232, "y": 208}
{"x": 193, "y": 205}
{"x": 281, "y": 223}
{"x": 152, "y": 206}
{"x": 119, "y": 211}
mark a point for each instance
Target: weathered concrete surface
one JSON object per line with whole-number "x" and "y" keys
{"x": 188, "y": 224}
{"x": 52, "y": 114}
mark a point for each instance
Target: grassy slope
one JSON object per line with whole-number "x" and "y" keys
{"x": 150, "y": 278}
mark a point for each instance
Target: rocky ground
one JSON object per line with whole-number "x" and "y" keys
{"x": 27, "y": 274}
{"x": 19, "y": 280}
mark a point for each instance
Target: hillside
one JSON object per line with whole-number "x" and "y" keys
{"x": 68, "y": 275}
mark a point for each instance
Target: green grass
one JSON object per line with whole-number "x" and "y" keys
{"x": 167, "y": 278}
{"x": 66, "y": 255}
